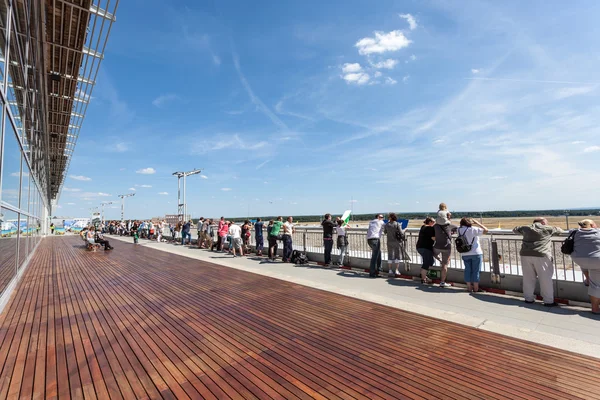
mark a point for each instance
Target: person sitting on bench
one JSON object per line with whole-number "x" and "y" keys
{"x": 89, "y": 237}
{"x": 100, "y": 239}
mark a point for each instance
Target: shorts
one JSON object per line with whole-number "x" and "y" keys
{"x": 445, "y": 255}
{"x": 237, "y": 243}
{"x": 427, "y": 256}
{"x": 393, "y": 253}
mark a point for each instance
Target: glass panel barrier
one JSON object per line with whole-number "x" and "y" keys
{"x": 22, "y": 240}
{"x": 8, "y": 246}
{"x": 11, "y": 168}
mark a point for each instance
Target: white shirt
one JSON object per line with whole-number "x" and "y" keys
{"x": 375, "y": 229}
{"x": 471, "y": 235}
{"x": 235, "y": 231}
{"x": 287, "y": 228}
{"x": 340, "y": 230}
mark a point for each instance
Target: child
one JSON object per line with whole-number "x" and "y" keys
{"x": 443, "y": 215}
{"x": 134, "y": 233}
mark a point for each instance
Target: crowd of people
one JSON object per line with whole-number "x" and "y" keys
{"x": 436, "y": 240}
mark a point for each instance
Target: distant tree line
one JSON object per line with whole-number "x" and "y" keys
{"x": 422, "y": 215}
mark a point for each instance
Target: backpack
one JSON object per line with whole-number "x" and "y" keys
{"x": 400, "y": 236}
{"x": 302, "y": 259}
{"x": 295, "y": 255}
{"x": 462, "y": 245}
{"x": 568, "y": 245}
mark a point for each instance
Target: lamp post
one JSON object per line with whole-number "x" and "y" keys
{"x": 182, "y": 205}
{"x": 105, "y": 203}
{"x": 122, "y": 196}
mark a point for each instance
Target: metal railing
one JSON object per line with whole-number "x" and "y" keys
{"x": 310, "y": 240}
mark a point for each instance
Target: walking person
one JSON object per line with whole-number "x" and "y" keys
{"x": 342, "y": 240}
{"x": 442, "y": 249}
{"x": 536, "y": 259}
{"x": 185, "y": 232}
{"x": 586, "y": 254}
{"x": 473, "y": 259}
{"x": 235, "y": 232}
{"x": 374, "y": 240}
{"x": 328, "y": 227}
{"x": 288, "y": 231}
{"x": 258, "y": 236}
{"x": 395, "y": 244}
{"x": 425, "y": 247}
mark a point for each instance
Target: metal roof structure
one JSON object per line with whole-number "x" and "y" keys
{"x": 76, "y": 35}
{"x": 49, "y": 97}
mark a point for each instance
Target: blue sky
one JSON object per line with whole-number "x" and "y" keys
{"x": 298, "y": 107}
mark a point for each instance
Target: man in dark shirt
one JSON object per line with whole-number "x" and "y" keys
{"x": 425, "y": 247}
{"x": 443, "y": 248}
{"x": 185, "y": 232}
{"x": 258, "y": 235}
{"x": 328, "y": 226}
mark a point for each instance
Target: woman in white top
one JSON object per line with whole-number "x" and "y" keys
{"x": 342, "y": 240}
{"x": 473, "y": 259}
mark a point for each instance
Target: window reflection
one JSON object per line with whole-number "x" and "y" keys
{"x": 11, "y": 168}
{"x": 8, "y": 246}
{"x": 23, "y": 232}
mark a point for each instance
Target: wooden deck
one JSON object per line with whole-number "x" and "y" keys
{"x": 140, "y": 323}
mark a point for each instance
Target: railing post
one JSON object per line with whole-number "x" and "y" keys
{"x": 304, "y": 240}
{"x": 495, "y": 262}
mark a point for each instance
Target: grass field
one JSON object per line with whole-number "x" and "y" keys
{"x": 495, "y": 223}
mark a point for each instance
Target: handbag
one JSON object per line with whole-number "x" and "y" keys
{"x": 568, "y": 245}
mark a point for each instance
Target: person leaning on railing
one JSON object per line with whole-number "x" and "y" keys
{"x": 342, "y": 239}
{"x": 374, "y": 241}
{"x": 273, "y": 236}
{"x": 425, "y": 247}
{"x": 473, "y": 259}
{"x": 586, "y": 254}
{"x": 328, "y": 226}
{"x": 288, "y": 231}
{"x": 537, "y": 259}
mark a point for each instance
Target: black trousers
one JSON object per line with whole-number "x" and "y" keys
{"x": 104, "y": 243}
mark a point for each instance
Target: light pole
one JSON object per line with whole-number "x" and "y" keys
{"x": 105, "y": 203}
{"x": 122, "y": 196}
{"x": 567, "y": 217}
{"x": 182, "y": 205}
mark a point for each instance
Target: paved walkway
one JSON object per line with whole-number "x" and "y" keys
{"x": 139, "y": 323}
{"x": 569, "y": 328}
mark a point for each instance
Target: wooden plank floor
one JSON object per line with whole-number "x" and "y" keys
{"x": 140, "y": 323}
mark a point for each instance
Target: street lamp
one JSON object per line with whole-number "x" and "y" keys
{"x": 122, "y": 196}
{"x": 182, "y": 206}
{"x": 105, "y": 203}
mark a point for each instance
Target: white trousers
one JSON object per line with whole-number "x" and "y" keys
{"x": 543, "y": 268}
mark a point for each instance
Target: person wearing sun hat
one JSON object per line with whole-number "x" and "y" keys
{"x": 586, "y": 254}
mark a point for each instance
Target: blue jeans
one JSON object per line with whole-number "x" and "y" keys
{"x": 375, "y": 245}
{"x": 185, "y": 235}
{"x": 328, "y": 244}
{"x": 472, "y": 266}
{"x": 259, "y": 243}
{"x": 287, "y": 247}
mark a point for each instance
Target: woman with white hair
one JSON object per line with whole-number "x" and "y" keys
{"x": 586, "y": 254}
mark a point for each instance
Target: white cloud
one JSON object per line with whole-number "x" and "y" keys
{"x": 70, "y": 204}
{"x": 390, "y": 81}
{"x": 412, "y": 22}
{"x": 438, "y": 141}
{"x": 495, "y": 178}
{"x": 358, "y": 78}
{"x": 262, "y": 164}
{"x": 103, "y": 194}
{"x": 405, "y": 78}
{"x": 146, "y": 171}
{"x": 163, "y": 193}
{"x": 165, "y": 98}
{"x": 578, "y": 142}
{"x": 80, "y": 178}
{"x": 382, "y": 42}
{"x": 16, "y": 174}
{"x": 573, "y": 91}
{"x": 121, "y": 169}
{"x": 145, "y": 186}
{"x": 203, "y": 176}
{"x": 67, "y": 189}
{"x": 475, "y": 70}
{"x": 390, "y": 63}
{"x": 216, "y": 60}
{"x": 227, "y": 142}
{"x": 591, "y": 149}
{"x": 120, "y": 147}
{"x": 226, "y": 189}
{"x": 377, "y": 74}
{"x": 350, "y": 68}
{"x": 412, "y": 57}
{"x": 132, "y": 189}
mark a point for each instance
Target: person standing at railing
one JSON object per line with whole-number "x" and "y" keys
{"x": 536, "y": 259}
{"x": 473, "y": 257}
{"x": 274, "y": 236}
{"x": 258, "y": 236}
{"x": 342, "y": 239}
{"x": 328, "y": 226}
{"x": 586, "y": 254}
{"x": 374, "y": 240}
{"x": 395, "y": 244}
{"x": 288, "y": 231}
{"x": 442, "y": 249}
{"x": 425, "y": 247}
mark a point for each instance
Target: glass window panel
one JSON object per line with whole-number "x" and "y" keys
{"x": 8, "y": 247}
{"x": 22, "y": 240}
{"x": 11, "y": 167}
{"x": 25, "y": 188}
{"x": 3, "y": 18}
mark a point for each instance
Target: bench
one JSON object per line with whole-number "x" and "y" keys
{"x": 90, "y": 246}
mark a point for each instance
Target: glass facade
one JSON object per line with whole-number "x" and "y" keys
{"x": 23, "y": 180}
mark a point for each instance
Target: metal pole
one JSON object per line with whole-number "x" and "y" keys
{"x": 122, "y": 208}
{"x": 184, "y": 203}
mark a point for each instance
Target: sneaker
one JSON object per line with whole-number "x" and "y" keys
{"x": 444, "y": 284}
{"x": 391, "y": 274}
{"x": 529, "y": 301}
